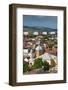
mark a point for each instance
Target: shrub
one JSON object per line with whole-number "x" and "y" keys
{"x": 25, "y": 67}
{"x": 46, "y": 37}
{"x": 46, "y": 66}
{"x": 38, "y": 63}
{"x": 31, "y": 35}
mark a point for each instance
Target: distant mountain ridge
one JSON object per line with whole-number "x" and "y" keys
{"x": 38, "y": 29}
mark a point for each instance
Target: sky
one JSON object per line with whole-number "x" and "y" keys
{"x": 42, "y": 21}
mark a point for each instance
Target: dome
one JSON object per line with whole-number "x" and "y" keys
{"x": 38, "y": 48}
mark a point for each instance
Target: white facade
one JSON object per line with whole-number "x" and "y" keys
{"x": 35, "y": 33}
{"x": 38, "y": 48}
{"x": 44, "y": 33}
{"x": 52, "y": 32}
{"x": 25, "y": 52}
{"x": 46, "y": 57}
{"x": 26, "y": 60}
{"x": 25, "y": 33}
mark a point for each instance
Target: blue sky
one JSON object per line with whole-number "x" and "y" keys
{"x": 42, "y": 21}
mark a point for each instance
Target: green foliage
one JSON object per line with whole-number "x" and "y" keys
{"x": 38, "y": 63}
{"x": 45, "y": 37}
{"x": 46, "y": 66}
{"x": 25, "y": 67}
{"x": 31, "y": 35}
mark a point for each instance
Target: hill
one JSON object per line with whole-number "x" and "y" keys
{"x": 38, "y": 29}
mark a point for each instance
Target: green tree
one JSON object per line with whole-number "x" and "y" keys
{"x": 46, "y": 66}
{"x": 38, "y": 63}
{"x": 25, "y": 67}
